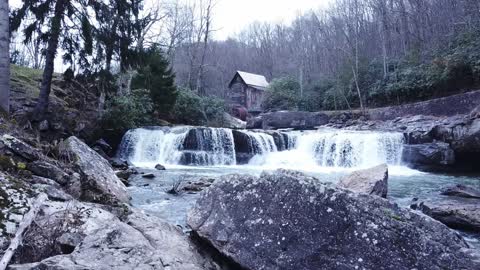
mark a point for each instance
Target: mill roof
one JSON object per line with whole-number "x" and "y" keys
{"x": 253, "y": 80}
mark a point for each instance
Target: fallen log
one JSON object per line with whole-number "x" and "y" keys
{"x": 26, "y": 222}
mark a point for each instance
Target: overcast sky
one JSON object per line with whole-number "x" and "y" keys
{"x": 231, "y": 16}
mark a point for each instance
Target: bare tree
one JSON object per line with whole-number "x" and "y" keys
{"x": 207, "y": 20}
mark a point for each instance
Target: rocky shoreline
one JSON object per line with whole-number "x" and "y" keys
{"x": 87, "y": 221}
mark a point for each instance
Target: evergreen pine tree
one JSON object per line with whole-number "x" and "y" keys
{"x": 155, "y": 74}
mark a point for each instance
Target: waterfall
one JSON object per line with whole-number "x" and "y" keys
{"x": 336, "y": 148}
{"x": 178, "y": 146}
{"x": 152, "y": 146}
{"x": 199, "y": 146}
{"x": 261, "y": 143}
{"x": 209, "y": 147}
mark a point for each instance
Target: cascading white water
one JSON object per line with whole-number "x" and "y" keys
{"x": 153, "y": 146}
{"x": 213, "y": 146}
{"x": 207, "y": 146}
{"x": 298, "y": 150}
{"x": 338, "y": 149}
{"x": 261, "y": 143}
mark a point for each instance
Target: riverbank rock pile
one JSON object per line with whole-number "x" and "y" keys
{"x": 287, "y": 220}
{"x": 86, "y": 222}
{"x": 461, "y": 210}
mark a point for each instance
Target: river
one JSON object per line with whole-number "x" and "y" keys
{"x": 191, "y": 153}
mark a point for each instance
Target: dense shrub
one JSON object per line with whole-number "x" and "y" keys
{"x": 282, "y": 94}
{"x": 214, "y": 109}
{"x": 192, "y": 109}
{"x": 126, "y": 112}
{"x": 188, "y": 108}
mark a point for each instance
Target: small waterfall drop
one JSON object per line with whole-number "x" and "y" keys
{"x": 261, "y": 143}
{"x": 208, "y": 147}
{"x": 178, "y": 146}
{"x": 152, "y": 146}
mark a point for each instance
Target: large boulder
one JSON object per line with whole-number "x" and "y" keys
{"x": 469, "y": 139}
{"x": 84, "y": 236}
{"x": 372, "y": 181}
{"x": 233, "y": 122}
{"x": 98, "y": 180}
{"x": 462, "y": 215}
{"x": 289, "y": 119}
{"x": 429, "y": 155}
{"x": 286, "y": 220}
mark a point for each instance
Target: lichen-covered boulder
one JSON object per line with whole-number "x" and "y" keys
{"x": 84, "y": 236}
{"x": 286, "y": 220}
{"x": 21, "y": 148}
{"x": 98, "y": 180}
{"x": 372, "y": 181}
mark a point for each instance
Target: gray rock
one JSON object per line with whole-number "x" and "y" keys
{"x": 43, "y": 181}
{"x": 54, "y": 193}
{"x": 93, "y": 238}
{"x": 160, "y": 167}
{"x": 289, "y": 119}
{"x": 459, "y": 215}
{"x": 69, "y": 241}
{"x": 469, "y": 139}
{"x": 232, "y": 122}
{"x": 48, "y": 170}
{"x": 119, "y": 163}
{"x": 98, "y": 180}
{"x": 103, "y": 145}
{"x": 197, "y": 185}
{"x": 21, "y": 148}
{"x": 148, "y": 175}
{"x": 462, "y": 191}
{"x": 372, "y": 181}
{"x": 428, "y": 155}
{"x": 125, "y": 174}
{"x": 16, "y": 198}
{"x": 286, "y": 220}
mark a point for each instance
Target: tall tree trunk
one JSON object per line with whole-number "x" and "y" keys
{"x": 405, "y": 28}
{"x": 50, "y": 54}
{"x": 4, "y": 57}
{"x": 200, "y": 83}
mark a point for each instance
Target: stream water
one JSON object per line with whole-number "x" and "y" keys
{"x": 326, "y": 154}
